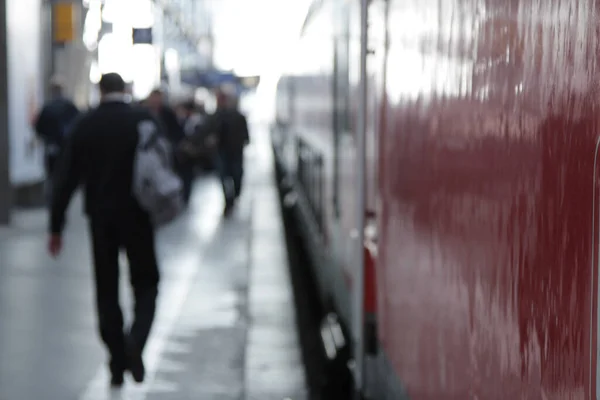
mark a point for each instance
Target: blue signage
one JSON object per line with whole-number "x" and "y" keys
{"x": 142, "y": 36}
{"x": 208, "y": 79}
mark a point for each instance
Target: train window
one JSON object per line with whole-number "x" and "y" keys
{"x": 340, "y": 93}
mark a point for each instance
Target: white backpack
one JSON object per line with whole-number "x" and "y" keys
{"x": 156, "y": 186}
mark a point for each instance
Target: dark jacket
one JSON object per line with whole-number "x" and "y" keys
{"x": 99, "y": 154}
{"x": 170, "y": 125}
{"x": 54, "y": 122}
{"x": 230, "y": 127}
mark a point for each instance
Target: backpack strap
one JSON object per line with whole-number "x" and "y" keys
{"x": 150, "y": 139}
{"x": 147, "y": 132}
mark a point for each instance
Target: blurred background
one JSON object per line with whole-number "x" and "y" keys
{"x": 187, "y": 47}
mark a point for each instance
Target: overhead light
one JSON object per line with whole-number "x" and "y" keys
{"x": 92, "y": 26}
{"x": 111, "y": 11}
{"x": 142, "y": 12}
{"x": 95, "y": 73}
{"x": 92, "y": 3}
{"x": 171, "y": 60}
{"x": 137, "y": 13}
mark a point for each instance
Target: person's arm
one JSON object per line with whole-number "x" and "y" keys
{"x": 65, "y": 181}
{"x": 41, "y": 123}
{"x": 245, "y": 132}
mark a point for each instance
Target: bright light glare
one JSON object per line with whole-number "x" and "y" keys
{"x": 254, "y": 39}
{"x": 417, "y": 73}
{"x": 138, "y": 64}
{"x": 92, "y": 26}
{"x": 136, "y": 13}
{"x": 95, "y": 73}
{"x": 146, "y": 76}
{"x": 142, "y": 13}
{"x": 171, "y": 60}
{"x": 258, "y": 39}
{"x": 115, "y": 55}
{"x": 92, "y": 3}
{"x": 112, "y": 11}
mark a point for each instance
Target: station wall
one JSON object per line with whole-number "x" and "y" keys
{"x": 25, "y": 89}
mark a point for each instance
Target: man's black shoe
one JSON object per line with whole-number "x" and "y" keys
{"x": 117, "y": 370}
{"x": 135, "y": 362}
{"x": 116, "y": 381}
{"x": 228, "y": 210}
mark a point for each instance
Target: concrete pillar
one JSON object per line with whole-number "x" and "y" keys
{"x": 5, "y": 184}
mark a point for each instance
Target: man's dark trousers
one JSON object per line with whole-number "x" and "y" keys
{"x": 50, "y": 161}
{"x": 231, "y": 171}
{"x": 185, "y": 170}
{"x": 132, "y": 232}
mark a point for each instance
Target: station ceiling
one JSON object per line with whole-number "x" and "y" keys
{"x": 251, "y": 35}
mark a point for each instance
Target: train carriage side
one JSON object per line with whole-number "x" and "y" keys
{"x": 488, "y": 246}
{"x": 309, "y": 151}
{"x": 317, "y": 143}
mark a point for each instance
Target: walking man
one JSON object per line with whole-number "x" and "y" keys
{"x": 191, "y": 122}
{"x": 99, "y": 154}
{"x": 230, "y": 128}
{"x": 52, "y": 126}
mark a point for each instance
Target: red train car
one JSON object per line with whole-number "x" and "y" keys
{"x": 480, "y": 183}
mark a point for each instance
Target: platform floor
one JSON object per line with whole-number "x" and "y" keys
{"x": 225, "y": 327}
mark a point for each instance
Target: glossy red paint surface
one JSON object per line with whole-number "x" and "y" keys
{"x": 487, "y": 269}
{"x": 483, "y": 177}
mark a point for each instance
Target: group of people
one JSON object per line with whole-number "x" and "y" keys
{"x": 190, "y": 131}
{"x": 96, "y": 150}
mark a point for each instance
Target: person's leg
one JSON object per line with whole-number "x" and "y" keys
{"x": 138, "y": 236}
{"x": 182, "y": 169}
{"x": 48, "y": 192}
{"x": 50, "y": 162}
{"x": 237, "y": 170}
{"x": 188, "y": 180}
{"x": 224, "y": 170}
{"x": 110, "y": 318}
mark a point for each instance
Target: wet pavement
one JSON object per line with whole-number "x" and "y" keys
{"x": 225, "y": 327}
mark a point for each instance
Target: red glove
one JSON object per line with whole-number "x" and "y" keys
{"x": 55, "y": 245}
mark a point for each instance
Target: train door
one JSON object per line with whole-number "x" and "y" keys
{"x": 367, "y": 45}
{"x": 348, "y": 125}
{"x": 375, "y": 117}
{"x": 358, "y": 99}
{"x": 344, "y": 157}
